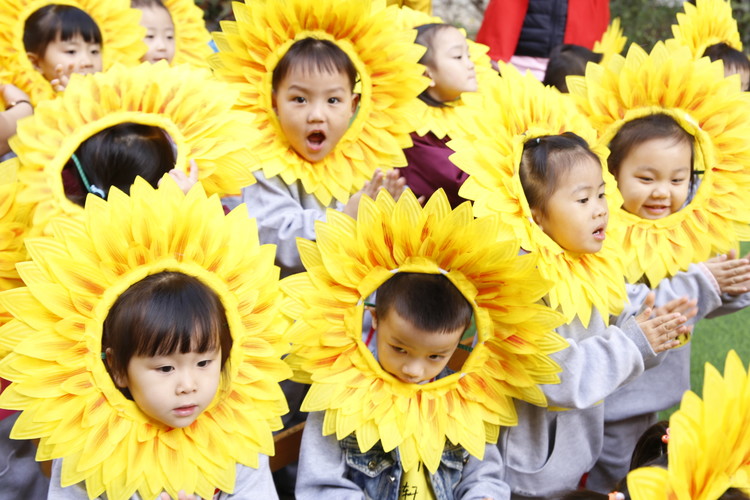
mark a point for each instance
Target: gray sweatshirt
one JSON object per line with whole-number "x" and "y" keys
{"x": 249, "y": 484}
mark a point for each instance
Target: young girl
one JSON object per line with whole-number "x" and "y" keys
{"x": 160, "y": 30}
{"x": 117, "y": 155}
{"x": 180, "y": 357}
{"x": 652, "y": 160}
{"x": 61, "y": 40}
{"x": 166, "y": 342}
{"x": 451, "y": 72}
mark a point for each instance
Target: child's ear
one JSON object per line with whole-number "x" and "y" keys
{"x": 536, "y": 215}
{"x": 119, "y": 379}
{"x": 355, "y": 102}
{"x": 273, "y": 102}
{"x": 428, "y": 75}
{"x": 374, "y": 318}
{"x": 35, "y": 59}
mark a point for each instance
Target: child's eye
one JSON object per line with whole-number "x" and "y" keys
{"x": 645, "y": 179}
{"x": 436, "y": 357}
{"x": 602, "y": 195}
{"x": 149, "y": 37}
{"x": 298, "y": 99}
{"x": 333, "y": 100}
{"x": 72, "y": 52}
{"x": 678, "y": 181}
{"x": 398, "y": 349}
{"x": 204, "y": 363}
{"x": 583, "y": 200}
{"x": 165, "y": 369}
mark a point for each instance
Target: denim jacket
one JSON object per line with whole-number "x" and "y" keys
{"x": 337, "y": 470}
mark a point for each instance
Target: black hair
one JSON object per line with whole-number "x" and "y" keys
{"x": 430, "y": 302}
{"x": 425, "y": 36}
{"x": 116, "y": 156}
{"x": 650, "y": 445}
{"x": 313, "y": 53}
{"x": 58, "y": 22}
{"x": 164, "y": 313}
{"x": 732, "y": 58}
{"x": 568, "y": 59}
{"x": 646, "y": 128}
{"x": 545, "y": 161}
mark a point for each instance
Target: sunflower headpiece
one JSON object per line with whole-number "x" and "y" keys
{"x": 61, "y": 384}
{"x": 390, "y": 81}
{"x": 191, "y": 36}
{"x": 519, "y": 109}
{"x": 706, "y": 23}
{"x": 351, "y": 259}
{"x": 709, "y": 107}
{"x": 445, "y": 121}
{"x": 122, "y": 39}
{"x": 612, "y": 42}
{"x": 709, "y": 441}
{"x": 194, "y": 110}
{"x": 14, "y": 224}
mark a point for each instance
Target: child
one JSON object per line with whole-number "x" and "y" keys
{"x": 313, "y": 96}
{"x": 160, "y": 32}
{"x": 567, "y": 59}
{"x": 451, "y": 72}
{"x": 167, "y": 341}
{"x": 61, "y": 40}
{"x": 735, "y": 62}
{"x": 652, "y": 159}
{"x": 418, "y": 322}
{"x": 550, "y": 449}
{"x": 117, "y": 155}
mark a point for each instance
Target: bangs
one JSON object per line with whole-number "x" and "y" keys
{"x": 74, "y": 21}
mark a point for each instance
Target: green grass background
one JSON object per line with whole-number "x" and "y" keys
{"x": 713, "y": 338}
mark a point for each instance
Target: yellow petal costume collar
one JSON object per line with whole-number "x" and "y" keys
{"x": 195, "y": 110}
{"x": 520, "y": 108}
{"x": 351, "y": 259}
{"x": 191, "y": 36}
{"x": 61, "y": 384}
{"x": 708, "y": 106}
{"x": 706, "y": 23}
{"x": 709, "y": 442}
{"x": 390, "y": 81}
{"x": 122, "y": 39}
{"x": 445, "y": 121}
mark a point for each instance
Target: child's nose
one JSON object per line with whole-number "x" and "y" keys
{"x": 412, "y": 370}
{"x": 186, "y": 383}
{"x": 315, "y": 112}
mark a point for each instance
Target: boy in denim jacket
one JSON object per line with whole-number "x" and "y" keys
{"x": 417, "y": 324}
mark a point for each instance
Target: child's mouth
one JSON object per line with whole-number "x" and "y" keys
{"x": 599, "y": 234}
{"x": 185, "y": 411}
{"x": 656, "y": 209}
{"x": 315, "y": 140}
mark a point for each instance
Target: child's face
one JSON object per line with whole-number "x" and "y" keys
{"x": 654, "y": 177}
{"x": 314, "y": 110}
{"x": 410, "y": 354}
{"x": 71, "y": 56}
{"x": 452, "y": 71}
{"x": 577, "y": 214}
{"x": 174, "y": 389}
{"x": 159, "y": 34}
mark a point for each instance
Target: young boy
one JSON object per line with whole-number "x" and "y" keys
{"x": 417, "y": 323}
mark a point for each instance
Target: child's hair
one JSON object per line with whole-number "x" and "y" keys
{"x": 115, "y": 157}
{"x": 430, "y": 302}
{"x": 141, "y": 4}
{"x": 732, "y": 58}
{"x": 568, "y": 59}
{"x": 53, "y": 22}
{"x": 640, "y": 130}
{"x": 425, "y": 36}
{"x": 313, "y": 53}
{"x": 650, "y": 445}
{"x": 164, "y": 313}
{"x": 545, "y": 160}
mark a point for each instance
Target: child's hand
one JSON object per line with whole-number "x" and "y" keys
{"x": 394, "y": 184}
{"x": 370, "y": 189}
{"x": 661, "y": 329}
{"x": 684, "y": 305}
{"x": 180, "y": 496}
{"x": 732, "y": 274}
{"x": 11, "y": 93}
{"x": 63, "y": 77}
{"x": 185, "y": 181}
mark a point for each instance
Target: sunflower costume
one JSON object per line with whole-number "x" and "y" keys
{"x": 122, "y": 39}
{"x": 14, "y": 223}
{"x": 386, "y": 63}
{"x": 709, "y": 442}
{"x": 350, "y": 260}
{"x": 191, "y": 36}
{"x": 612, "y": 41}
{"x": 61, "y": 384}
{"x": 192, "y": 109}
{"x": 706, "y": 23}
{"x": 710, "y": 108}
{"x": 517, "y": 110}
